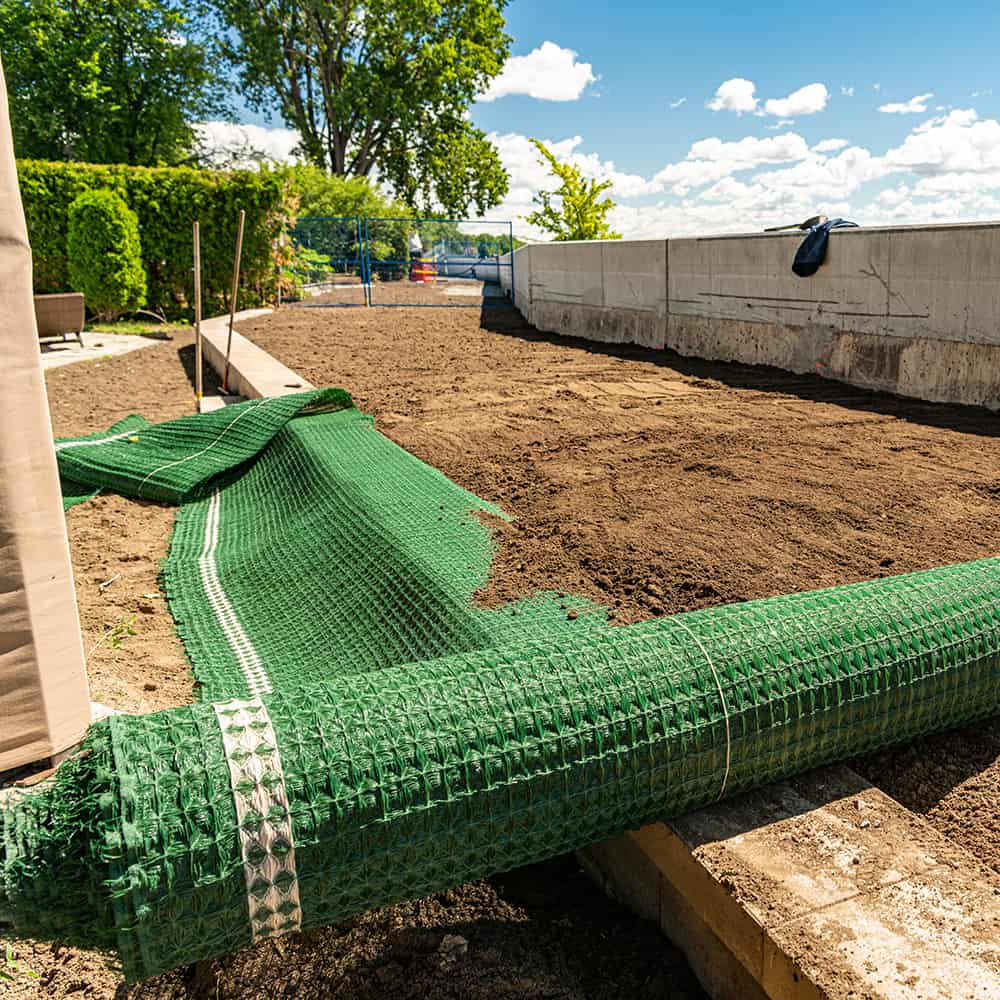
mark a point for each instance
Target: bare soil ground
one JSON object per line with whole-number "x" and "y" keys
{"x": 655, "y": 483}
{"x": 650, "y": 482}
{"x": 541, "y": 932}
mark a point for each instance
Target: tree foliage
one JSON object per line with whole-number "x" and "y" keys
{"x": 380, "y": 88}
{"x": 107, "y": 81}
{"x": 104, "y": 254}
{"x": 320, "y": 193}
{"x": 575, "y": 210}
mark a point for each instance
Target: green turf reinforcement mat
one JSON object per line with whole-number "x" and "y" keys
{"x": 174, "y": 461}
{"x": 74, "y": 493}
{"x": 395, "y": 740}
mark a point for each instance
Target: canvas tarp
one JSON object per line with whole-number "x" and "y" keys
{"x": 44, "y": 700}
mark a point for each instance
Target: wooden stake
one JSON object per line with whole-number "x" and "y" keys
{"x": 198, "y": 387}
{"x": 232, "y": 298}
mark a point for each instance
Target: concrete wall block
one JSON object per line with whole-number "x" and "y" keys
{"x": 568, "y": 272}
{"x": 635, "y": 275}
{"x": 750, "y": 279}
{"x": 914, "y": 311}
{"x": 945, "y": 284}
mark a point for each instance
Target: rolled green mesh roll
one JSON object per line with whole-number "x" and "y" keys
{"x": 186, "y": 834}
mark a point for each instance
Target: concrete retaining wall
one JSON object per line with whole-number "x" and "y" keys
{"x": 912, "y": 310}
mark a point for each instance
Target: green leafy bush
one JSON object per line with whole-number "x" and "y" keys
{"x": 104, "y": 254}
{"x": 166, "y": 201}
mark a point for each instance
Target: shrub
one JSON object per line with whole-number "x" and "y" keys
{"x": 104, "y": 254}
{"x": 166, "y": 201}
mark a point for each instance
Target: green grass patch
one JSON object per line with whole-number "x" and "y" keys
{"x": 139, "y": 328}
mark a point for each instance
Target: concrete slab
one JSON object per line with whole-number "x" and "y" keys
{"x": 944, "y": 284}
{"x": 635, "y": 275}
{"x": 95, "y": 346}
{"x": 568, "y": 273}
{"x": 818, "y": 887}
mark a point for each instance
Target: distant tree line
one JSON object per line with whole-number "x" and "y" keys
{"x": 377, "y": 89}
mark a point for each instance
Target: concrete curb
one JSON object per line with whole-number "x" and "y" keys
{"x": 253, "y": 373}
{"x": 818, "y": 888}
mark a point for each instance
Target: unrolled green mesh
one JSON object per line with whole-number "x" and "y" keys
{"x": 311, "y": 576}
{"x": 74, "y": 493}
{"x": 173, "y": 460}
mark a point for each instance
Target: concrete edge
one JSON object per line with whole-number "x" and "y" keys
{"x": 821, "y": 887}
{"x": 253, "y": 373}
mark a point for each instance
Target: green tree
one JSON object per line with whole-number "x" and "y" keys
{"x": 108, "y": 81}
{"x": 575, "y": 210}
{"x": 380, "y": 88}
{"x": 105, "y": 256}
{"x": 320, "y": 193}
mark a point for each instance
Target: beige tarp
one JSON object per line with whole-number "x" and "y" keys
{"x": 44, "y": 701}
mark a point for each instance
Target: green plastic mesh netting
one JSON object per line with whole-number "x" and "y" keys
{"x": 367, "y": 734}
{"x": 74, "y": 493}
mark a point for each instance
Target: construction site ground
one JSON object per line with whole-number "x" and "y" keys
{"x": 649, "y": 482}
{"x": 541, "y": 933}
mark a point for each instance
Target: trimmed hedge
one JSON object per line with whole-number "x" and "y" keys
{"x": 105, "y": 257}
{"x": 166, "y": 201}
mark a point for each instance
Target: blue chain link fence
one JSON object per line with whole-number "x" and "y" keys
{"x": 364, "y": 260}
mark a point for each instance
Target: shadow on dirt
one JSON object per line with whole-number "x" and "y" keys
{"x": 761, "y": 378}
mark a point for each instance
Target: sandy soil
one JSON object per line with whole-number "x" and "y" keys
{"x": 657, "y": 484}
{"x": 541, "y": 932}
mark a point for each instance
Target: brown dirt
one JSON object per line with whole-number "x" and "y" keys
{"x": 540, "y": 932}
{"x": 124, "y": 541}
{"x": 655, "y": 483}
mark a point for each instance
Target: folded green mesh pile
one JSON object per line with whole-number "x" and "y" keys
{"x": 391, "y": 739}
{"x": 74, "y": 493}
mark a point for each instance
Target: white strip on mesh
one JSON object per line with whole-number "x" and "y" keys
{"x": 265, "y": 825}
{"x": 62, "y": 445}
{"x": 250, "y": 407}
{"x": 253, "y": 670}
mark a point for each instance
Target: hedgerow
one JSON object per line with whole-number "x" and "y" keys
{"x": 166, "y": 200}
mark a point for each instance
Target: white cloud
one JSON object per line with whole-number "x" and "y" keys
{"x": 914, "y": 106}
{"x": 780, "y": 124}
{"x": 846, "y": 91}
{"x": 958, "y": 142}
{"x": 894, "y": 196}
{"x": 739, "y": 95}
{"x": 548, "y": 73}
{"x": 735, "y": 95}
{"x": 678, "y": 102}
{"x": 226, "y": 145}
{"x": 946, "y": 168}
{"x": 959, "y": 116}
{"x": 751, "y": 151}
{"x": 806, "y": 100}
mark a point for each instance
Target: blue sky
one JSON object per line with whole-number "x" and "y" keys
{"x": 726, "y": 117}
{"x": 650, "y": 53}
